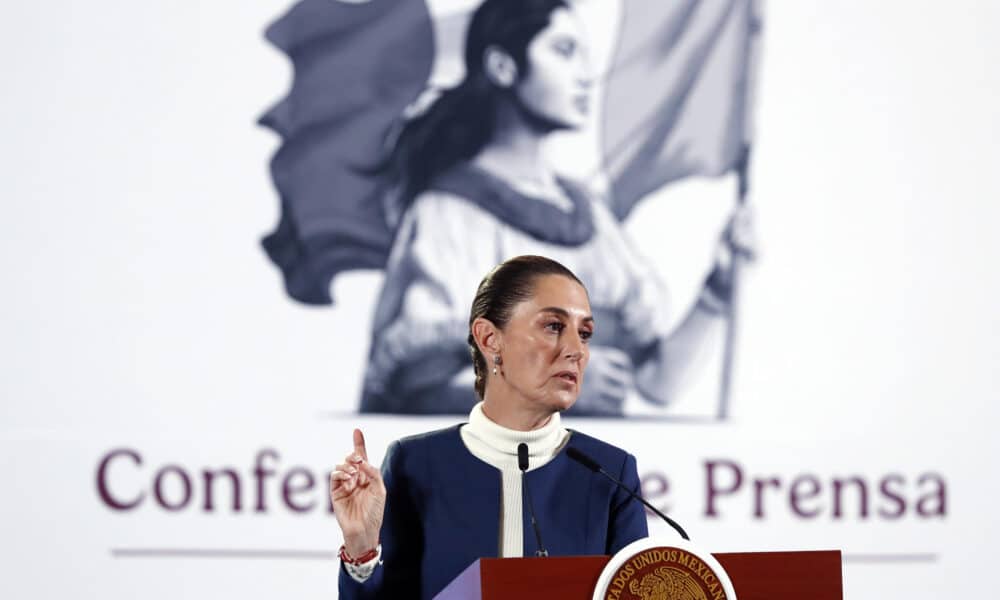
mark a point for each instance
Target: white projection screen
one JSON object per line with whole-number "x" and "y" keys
{"x": 171, "y": 410}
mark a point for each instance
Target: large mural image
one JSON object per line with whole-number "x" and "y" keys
{"x": 433, "y": 140}
{"x": 237, "y": 233}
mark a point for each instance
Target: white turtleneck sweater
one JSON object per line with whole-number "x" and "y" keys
{"x": 497, "y": 446}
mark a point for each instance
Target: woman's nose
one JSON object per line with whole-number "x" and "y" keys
{"x": 574, "y": 346}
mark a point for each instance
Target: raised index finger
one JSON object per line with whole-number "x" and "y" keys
{"x": 359, "y": 445}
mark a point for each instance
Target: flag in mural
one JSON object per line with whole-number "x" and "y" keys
{"x": 387, "y": 164}
{"x": 694, "y": 120}
{"x": 356, "y": 67}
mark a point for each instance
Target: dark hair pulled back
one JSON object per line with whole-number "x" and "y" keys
{"x": 462, "y": 120}
{"x": 508, "y": 284}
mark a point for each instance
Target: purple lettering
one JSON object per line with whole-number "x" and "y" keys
{"x": 289, "y": 489}
{"x": 838, "y": 489}
{"x": 655, "y": 486}
{"x": 234, "y": 479}
{"x": 259, "y": 473}
{"x": 714, "y": 488}
{"x": 161, "y": 476}
{"x": 102, "y": 480}
{"x": 933, "y": 502}
{"x": 758, "y": 497}
{"x": 803, "y": 488}
{"x": 892, "y": 496}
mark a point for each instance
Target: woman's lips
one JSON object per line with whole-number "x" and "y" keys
{"x": 567, "y": 376}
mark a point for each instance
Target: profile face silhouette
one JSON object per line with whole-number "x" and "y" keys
{"x": 555, "y": 85}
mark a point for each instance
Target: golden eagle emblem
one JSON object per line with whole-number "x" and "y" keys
{"x": 666, "y": 583}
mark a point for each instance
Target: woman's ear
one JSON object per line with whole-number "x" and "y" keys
{"x": 499, "y": 66}
{"x": 487, "y": 336}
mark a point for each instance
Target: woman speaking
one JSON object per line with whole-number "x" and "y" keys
{"x": 446, "y": 498}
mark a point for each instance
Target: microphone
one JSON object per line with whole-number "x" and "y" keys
{"x": 592, "y": 464}
{"x": 522, "y": 463}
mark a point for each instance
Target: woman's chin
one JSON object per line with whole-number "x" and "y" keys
{"x": 563, "y": 400}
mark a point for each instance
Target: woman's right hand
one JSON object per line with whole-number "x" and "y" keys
{"x": 358, "y": 496}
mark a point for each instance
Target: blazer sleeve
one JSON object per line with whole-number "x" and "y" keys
{"x": 401, "y": 537}
{"x": 628, "y": 517}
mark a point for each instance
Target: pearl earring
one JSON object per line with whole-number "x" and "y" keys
{"x": 496, "y": 362}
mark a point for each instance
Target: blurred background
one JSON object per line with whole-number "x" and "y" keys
{"x": 169, "y": 414}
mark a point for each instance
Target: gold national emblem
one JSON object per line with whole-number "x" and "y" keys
{"x": 665, "y": 573}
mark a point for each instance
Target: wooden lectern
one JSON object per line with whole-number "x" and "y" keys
{"x": 755, "y": 576}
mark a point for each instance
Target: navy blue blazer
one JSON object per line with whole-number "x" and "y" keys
{"x": 443, "y": 505}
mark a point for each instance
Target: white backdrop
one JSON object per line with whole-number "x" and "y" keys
{"x": 139, "y": 312}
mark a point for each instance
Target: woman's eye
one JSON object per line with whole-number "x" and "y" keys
{"x": 586, "y": 335}
{"x": 565, "y": 47}
{"x": 555, "y": 326}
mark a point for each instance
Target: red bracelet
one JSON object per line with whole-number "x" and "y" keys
{"x": 367, "y": 556}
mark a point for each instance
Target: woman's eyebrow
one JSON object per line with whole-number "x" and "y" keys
{"x": 562, "y": 312}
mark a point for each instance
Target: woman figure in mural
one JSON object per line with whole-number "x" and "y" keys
{"x": 473, "y": 190}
